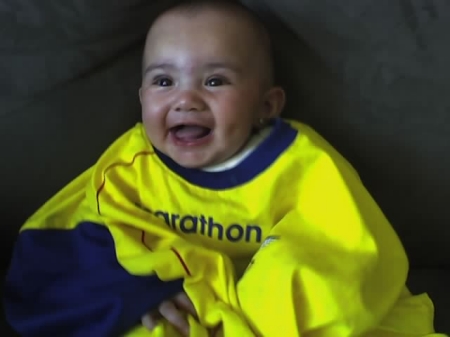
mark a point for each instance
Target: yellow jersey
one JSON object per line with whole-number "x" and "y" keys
{"x": 136, "y": 228}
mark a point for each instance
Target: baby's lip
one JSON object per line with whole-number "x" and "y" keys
{"x": 190, "y": 122}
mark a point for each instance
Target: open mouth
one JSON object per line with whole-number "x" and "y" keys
{"x": 190, "y": 133}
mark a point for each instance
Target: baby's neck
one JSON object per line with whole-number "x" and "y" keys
{"x": 250, "y": 146}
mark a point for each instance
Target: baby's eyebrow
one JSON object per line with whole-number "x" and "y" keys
{"x": 163, "y": 66}
{"x": 223, "y": 65}
{"x": 208, "y": 66}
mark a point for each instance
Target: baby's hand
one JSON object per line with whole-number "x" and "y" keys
{"x": 174, "y": 311}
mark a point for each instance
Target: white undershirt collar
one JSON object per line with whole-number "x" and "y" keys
{"x": 235, "y": 160}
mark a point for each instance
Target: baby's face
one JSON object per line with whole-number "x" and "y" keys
{"x": 203, "y": 88}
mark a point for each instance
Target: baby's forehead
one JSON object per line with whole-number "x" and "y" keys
{"x": 228, "y": 18}
{"x": 208, "y": 29}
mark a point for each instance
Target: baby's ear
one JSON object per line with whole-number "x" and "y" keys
{"x": 274, "y": 101}
{"x": 140, "y": 95}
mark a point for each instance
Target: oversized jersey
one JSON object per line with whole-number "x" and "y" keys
{"x": 137, "y": 228}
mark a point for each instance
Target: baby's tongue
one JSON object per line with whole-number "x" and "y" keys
{"x": 191, "y": 132}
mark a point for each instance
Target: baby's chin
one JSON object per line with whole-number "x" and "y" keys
{"x": 197, "y": 161}
{"x": 201, "y": 157}
{"x": 195, "y": 164}
{"x": 191, "y": 160}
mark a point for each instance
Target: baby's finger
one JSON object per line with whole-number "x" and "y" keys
{"x": 150, "y": 320}
{"x": 183, "y": 302}
{"x": 175, "y": 317}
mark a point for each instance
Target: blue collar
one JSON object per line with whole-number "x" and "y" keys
{"x": 259, "y": 160}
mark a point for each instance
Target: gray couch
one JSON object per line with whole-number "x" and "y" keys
{"x": 371, "y": 76}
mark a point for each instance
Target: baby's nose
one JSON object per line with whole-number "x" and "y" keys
{"x": 189, "y": 100}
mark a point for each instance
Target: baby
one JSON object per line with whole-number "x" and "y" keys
{"x": 213, "y": 173}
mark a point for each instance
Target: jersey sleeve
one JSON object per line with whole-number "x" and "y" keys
{"x": 69, "y": 283}
{"x": 333, "y": 265}
{"x": 76, "y": 272}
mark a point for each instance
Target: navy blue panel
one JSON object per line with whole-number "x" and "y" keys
{"x": 69, "y": 283}
{"x": 258, "y": 161}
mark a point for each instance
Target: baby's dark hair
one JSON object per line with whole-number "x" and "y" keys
{"x": 260, "y": 29}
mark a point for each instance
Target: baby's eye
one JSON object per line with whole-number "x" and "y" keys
{"x": 215, "y": 82}
{"x": 162, "y": 81}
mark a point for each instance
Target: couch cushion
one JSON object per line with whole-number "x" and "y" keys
{"x": 47, "y": 43}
